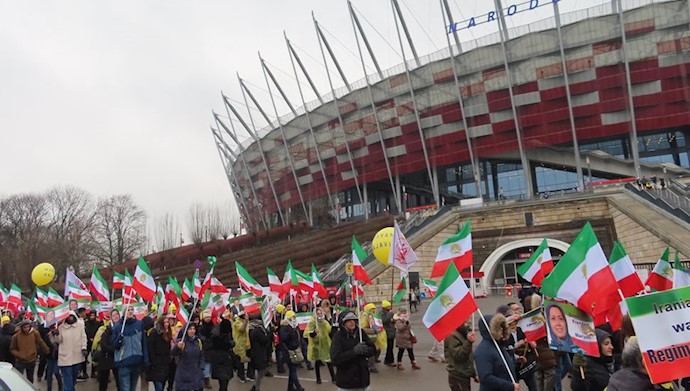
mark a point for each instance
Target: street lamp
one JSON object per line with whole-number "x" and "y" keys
{"x": 589, "y": 172}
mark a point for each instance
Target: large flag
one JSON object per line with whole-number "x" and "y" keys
{"x": 400, "y": 290}
{"x": 430, "y": 286}
{"x": 302, "y": 281}
{"x": 451, "y": 307}
{"x": 661, "y": 278}
{"x": 456, "y": 249}
{"x": 70, "y": 277}
{"x": 54, "y": 298}
{"x": 583, "y": 276}
{"x": 538, "y": 266}
{"x": 118, "y": 280}
{"x": 78, "y": 293}
{"x": 401, "y": 255}
{"x": 274, "y": 283}
{"x": 217, "y": 286}
{"x": 319, "y": 288}
{"x": 287, "y": 278}
{"x": 209, "y": 275}
{"x": 187, "y": 290}
{"x": 358, "y": 256}
{"x": 247, "y": 282}
{"x": 173, "y": 291}
{"x": 143, "y": 283}
{"x": 98, "y": 286}
{"x": 14, "y": 298}
{"x": 624, "y": 271}
{"x": 680, "y": 277}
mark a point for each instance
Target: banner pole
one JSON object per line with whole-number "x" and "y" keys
{"x": 510, "y": 372}
{"x": 359, "y": 327}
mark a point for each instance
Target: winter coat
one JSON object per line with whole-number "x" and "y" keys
{"x": 261, "y": 345}
{"x": 5, "y": 342}
{"x": 288, "y": 337}
{"x": 105, "y": 344}
{"x": 190, "y": 365}
{"x": 204, "y": 332}
{"x": 403, "y": 338}
{"x": 352, "y": 369}
{"x": 388, "y": 323}
{"x": 159, "y": 354}
{"x": 91, "y": 327}
{"x": 630, "y": 379}
{"x": 240, "y": 334}
{"x": 597, "y": 370}
{"x": 492, "y": 372}
{"x": 51, "y": 341}
{"x": 457, "y": 351}
{"x": 319, "y": 340}
{"x": 366, "y": 322}
{"x": 71, "y": 340}
{"x": 220, "y": 353}
{"x": 25, "y": 346}
{"x": 131, "y": 348}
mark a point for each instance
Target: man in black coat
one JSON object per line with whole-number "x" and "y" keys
{"x": 349, "y": 355}
{"x": 5, "y": 341}
{"x": 91, "y": 326}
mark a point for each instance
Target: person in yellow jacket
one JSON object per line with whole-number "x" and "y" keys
{"x": 319, "y": 349}
{"x": 368, "y": 323}
{"x": 240, "y": 334}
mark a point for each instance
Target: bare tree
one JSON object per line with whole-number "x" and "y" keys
{"x": 119, "y": 232}
{"x": 197, "y": 223}
{"x": 166, "y": 232}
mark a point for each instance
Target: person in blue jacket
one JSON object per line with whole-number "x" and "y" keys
{"x": 131, "y": 350}
{"x": 491, "y": 369}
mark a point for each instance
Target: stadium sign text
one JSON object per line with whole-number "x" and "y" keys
{"x": 493, "y": 15}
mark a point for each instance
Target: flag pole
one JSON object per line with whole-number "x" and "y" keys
{"x": 510, "y": 373}
{"x": 472, "y": 287}
{"x": 354, "y": 289}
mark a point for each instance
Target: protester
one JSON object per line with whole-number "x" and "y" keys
{"x": 318, "y": 334}
{"x": 491, "y": 356}
{"x": 190, "y": 365}
{"x": 131, "y": 350}
{"x": 633, "y": 376}
{"x": 281, "y": 352}
{"x": 220, "y": 354}
{"x": 304, "y": 308}
{"x": 546, "y": 372}
{"x": 106, "y": 359}
{"x": 404, "y": 338}
{"x": 205, "y": 329}
{"x": 523, "y": 353}
{"x": 366, "y": 322}
{"x": 71, "y": 339}
{"x": 593, "y": 373}
{"x": 291, "y": 339}
{"x": 91, "y": 326}
{"x": 240, "y": 334}
{"x": 147, "y": 324}
{"x": 25, "y": 346}
{"x": 458, "y": 353}
{"x": 6, "y": 340}
{"x": 159, "y": 344}
{"x": 350, "y": 356}
{"x": 388, "y": 325}
{"x": 261, "y": 349}
{"x": 51, "y": 359}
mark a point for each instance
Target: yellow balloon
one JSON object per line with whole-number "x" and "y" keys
{"x": 43, "y": 274}
{"x": 381, "y": 245}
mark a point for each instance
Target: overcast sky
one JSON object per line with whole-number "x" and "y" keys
{"x": 116, "y": 96}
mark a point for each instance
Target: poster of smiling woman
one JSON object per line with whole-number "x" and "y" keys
{"x": 570, "y": 329}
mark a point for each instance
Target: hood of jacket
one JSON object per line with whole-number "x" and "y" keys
{"x": 498, "y": 327}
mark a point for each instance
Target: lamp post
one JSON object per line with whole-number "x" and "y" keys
{"x": 589, "y": 172}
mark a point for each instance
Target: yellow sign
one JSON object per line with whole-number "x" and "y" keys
{"x": 349, "y": 270}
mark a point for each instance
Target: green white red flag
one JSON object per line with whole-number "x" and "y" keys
{"x": 79, "y": 294}
{"x": 402, "y": 255}
{"x": 41, "y": 298}
{"x": 680, "y": 277}
{"x": 624, "y": 271}
{"x": 661, "y": 323}
{"x": 14, "y": 298}
{"x": 538, "y": 266}
{"x": 54, "y": 298}
{"x": 341, "y": 288}
{"x": 287, "y": 278}
{"x": 197, "y": 285}
{"x": 182, "y": 315}
{"x": 247, "y": 282}
{"x": 431, "y": 287}
{"x": 583, "y": 276}
{"x": 302, "y": 281}
{"x": 118, "y": 280}
{"x": 303, "y": 319}
{"x": 71, "y": 278}
{"x": 173, "y": 291}
{"x": 187, "y": 290}
{"x": 358, "y": 256}
{"x": 274, "y": 283}
{"x": 533, "y": 325}
{"x": 661, "y": 277}
{"x": 456, "y": 249}
{"x": 319, "y": 288}
{"x": 143, "y": 283}
{"x": 249, "y": 302}
{"x": 128, "y": 289}
{"x": 217, "y": 286}
{"x": 451, "y": 307}
{"x": 400, "y": 290}
{"x": 98, "y": 286}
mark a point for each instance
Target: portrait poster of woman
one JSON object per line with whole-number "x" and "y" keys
{"x": 570, "y": 329}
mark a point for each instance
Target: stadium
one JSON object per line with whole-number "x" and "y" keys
{"x": 496, "y": 118}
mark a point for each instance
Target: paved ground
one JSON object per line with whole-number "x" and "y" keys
{"x": 432, "y": 376}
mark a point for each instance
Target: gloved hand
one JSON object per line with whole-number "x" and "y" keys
{"x": 120, "y": 339}
{"x": 361, "y": 348}
{"x": 84, "y": 353}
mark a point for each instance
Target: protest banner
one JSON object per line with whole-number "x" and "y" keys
{"x": 533, "y": 325}
{"x": 663, "y": 330}
{"x": 57, "y": 314}
{"x": 570, "y": 329}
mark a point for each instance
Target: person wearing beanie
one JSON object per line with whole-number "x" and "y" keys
{"x": 596, "y": 370}
{"x": 25, "y": 346}
{"x": 220, "y": 354}
{"x": 350, "y": 356}
{"x": 388, "y": 325}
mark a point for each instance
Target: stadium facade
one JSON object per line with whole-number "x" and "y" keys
{"x": 494, "y": 118}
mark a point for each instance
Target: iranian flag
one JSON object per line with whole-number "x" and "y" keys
{"x": 624, "y": 271}
{"x": 71, "y": 278}
{"x": 356, "y": 289}
{"x": 303, "y": 319}
{"x": 209, "y": 275}
{"x": 41, "y": 298}
{"x": 680, "y": 277}
{"x": 400, "y": 290}
{"x": 451, "y": 307}
{"x": 248, "y": 301}
{"x": 358, "y": 256}
{"x": 533, "y": 325}
{"x": 430, "y": 286}
{"x": 401, "y": 255}
{"x": 187, "y": 290}
{"x": 54, "y": 298}
{"x": 3, "y": 293}
{"x": 173, "y": 291}
{"x": 341, "y": 288}
{"x": 287, "y": 278}
{"x": 182, "y": 315}
{"x": 247, "y": 282}
{"x": 217, "y": 286}
{"x": 583, "y": 276}
{"x": 302, "y": 281}
{"x": 14, "y": 298}
{"x": 98, "y": 286}
{"x": 78, "y": 293}
{"x": 127, "y": 289}
{"x": 538, "y": 266}
{"x": 456, "y": 249}
{"x": 214, "y": 303}
{"x": 661, "y": 278}
{"x": 319, "y": 288}
{"x": 118, "y": 280}
{"x": 144, "y": 284}
{"x": 197, "y": 285}
{"x": 274, "y": 283}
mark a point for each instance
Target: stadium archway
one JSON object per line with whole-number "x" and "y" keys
{"x": 499, "y": 268}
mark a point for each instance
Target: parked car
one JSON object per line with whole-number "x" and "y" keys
{"x": 12, "y": 380}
